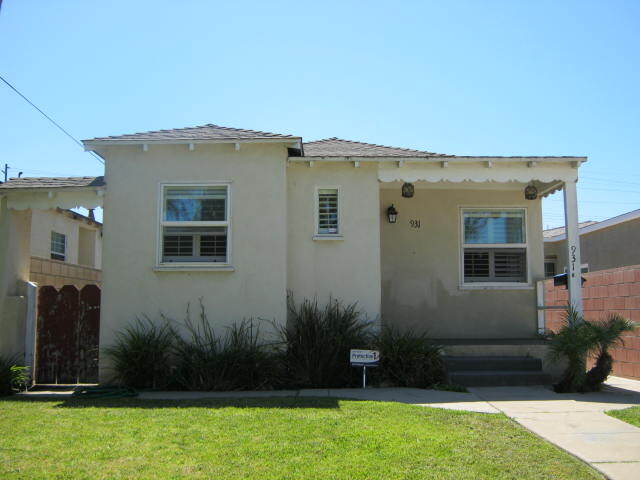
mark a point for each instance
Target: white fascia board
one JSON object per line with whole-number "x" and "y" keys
{"x": 89, "y": 145}
{"x": 594, "y": 227}
{"x": 439, "y": 159}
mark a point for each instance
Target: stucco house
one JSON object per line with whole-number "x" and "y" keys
{"x": 611, "y": 243}
{"x": 443, "y": 243}
{"x": 43, "y": 242}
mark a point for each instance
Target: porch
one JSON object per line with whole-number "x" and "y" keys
{"x": 462, "y": 251}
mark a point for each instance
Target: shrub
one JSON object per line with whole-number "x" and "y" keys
{"x": 607, "y": 334}
{"x": 141, "y": 354}
{"x": 236, "y": 361}
{"x": 12, "y": 376}
{"x": 317, "y": 342}
{"x": 574, "y": 340}
{"x": 409, "y": 359}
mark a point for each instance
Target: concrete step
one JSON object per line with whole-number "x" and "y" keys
{"x": 481, "y": 363}
{"x": 499, "y": 378}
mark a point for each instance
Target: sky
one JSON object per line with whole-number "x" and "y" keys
{"x": 457, "y": 77}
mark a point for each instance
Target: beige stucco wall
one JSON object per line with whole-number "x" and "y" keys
{"x": 421, "y": 267}
{"x": 616, "y": 246}
{"x": 46, "y": 221}
{"x": 131, "y": 287}
{"x": 14, "y": 271}
{"x": 347, "y": 269}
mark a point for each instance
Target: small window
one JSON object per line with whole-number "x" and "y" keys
{"x": 328, "y": 221}
{"x": 195, "y": 224}
{"x": 494, "y": 248}
{"x": 58, "y": 246}
{"x": 549, "y": 269}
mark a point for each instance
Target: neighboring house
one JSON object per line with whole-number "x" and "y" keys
{"x": 439, "y": 243}
{"x": 42, "y": 241}
{"x": 611, "y": 243}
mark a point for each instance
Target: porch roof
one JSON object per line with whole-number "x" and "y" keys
{"x": 45, "y": 193}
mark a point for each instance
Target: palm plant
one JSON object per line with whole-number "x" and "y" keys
{"x": 12, "y": 376}
{"x": 574, "y": 340}
{"x": 607, "y": 334}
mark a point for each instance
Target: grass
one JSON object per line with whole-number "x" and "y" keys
{"x": 630, "y": 415}
{"x": 276, "y": 438}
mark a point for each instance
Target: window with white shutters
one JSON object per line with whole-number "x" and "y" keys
{"x": 494, "y": 248}
{"x": 328, "y": 220}
{"x": 195, "y": 224}
{"x": 58, "y": 246}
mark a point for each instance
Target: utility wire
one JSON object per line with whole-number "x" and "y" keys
{"x": 49, "y": 118}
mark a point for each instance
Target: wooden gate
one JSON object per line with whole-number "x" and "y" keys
{"x": 68, "y": 328}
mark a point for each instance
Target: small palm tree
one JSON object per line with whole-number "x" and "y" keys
{"x": 574, "y": 341}
{"x": 607, "y": 334}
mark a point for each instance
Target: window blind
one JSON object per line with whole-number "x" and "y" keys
{"x": 328, "y": 211}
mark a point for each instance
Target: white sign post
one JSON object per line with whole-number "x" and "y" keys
{"x": 364, "y": 359}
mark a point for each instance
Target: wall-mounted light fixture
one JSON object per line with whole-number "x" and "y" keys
{"x": 407, "y": 190}
{"x": 530, "y": 192}
{"x": 392, "y": 214}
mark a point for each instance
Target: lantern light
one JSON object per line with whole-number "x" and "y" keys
{"x": 407, "y": 190}
{"x": 530, "y": 192}
{"x": 392, "y": 214}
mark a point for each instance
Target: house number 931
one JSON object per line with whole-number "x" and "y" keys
{"x": 414, "y": 223}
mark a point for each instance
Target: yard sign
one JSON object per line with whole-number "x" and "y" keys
{"x": 364, "y": 359}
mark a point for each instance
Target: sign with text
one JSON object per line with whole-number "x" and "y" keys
{"x": 364, "y": 358}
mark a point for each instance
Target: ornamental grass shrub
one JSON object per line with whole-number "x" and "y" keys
{"x": 316, "y": 342}
{"x": 236, "y": 360}
{"x": 310, "y": 351}
{"x": 141, "y": 355}
{"x": 408, "y": 359}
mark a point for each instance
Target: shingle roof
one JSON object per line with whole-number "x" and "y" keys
{"x": 337, "y": 147}
{"x": 52, "y": 182}
{"x": 553, "y": 232}
{"x": 201, "y": 132}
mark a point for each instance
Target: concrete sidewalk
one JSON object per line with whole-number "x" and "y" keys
{"x": 577, "y": 422}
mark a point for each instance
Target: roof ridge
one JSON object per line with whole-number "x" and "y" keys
{"x": 373, "y": 145}
{"x": 207, "y": 130}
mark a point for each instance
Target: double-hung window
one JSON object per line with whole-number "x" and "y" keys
{"x": 58, "y": 246}
{"x": 328, "y": 212}
{"x": 195, "y": 224}
{"x": 494, "y": 246}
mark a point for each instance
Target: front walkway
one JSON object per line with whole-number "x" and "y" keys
{"x": 577, "y": 422}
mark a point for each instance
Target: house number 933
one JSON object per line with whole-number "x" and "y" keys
{"x": 414, "y": 223}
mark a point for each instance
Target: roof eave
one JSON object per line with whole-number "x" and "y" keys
{"x": 439, "y": 158}
{"x": 94, "y": 143}
{"x": 5, "y": 191}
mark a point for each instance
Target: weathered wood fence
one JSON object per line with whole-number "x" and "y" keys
{"x": 68, "y": 329}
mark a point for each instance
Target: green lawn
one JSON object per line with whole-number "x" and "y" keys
{"x": 294, "y": 438}
{"x": 630, "y": 415}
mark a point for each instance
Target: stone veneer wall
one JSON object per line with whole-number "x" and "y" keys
{"x": 616, "y": 290}
{"x": 45, "y": 271}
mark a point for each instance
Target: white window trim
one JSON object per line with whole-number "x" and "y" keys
{"x": 161, "y": 266}
{"x": 462, "y": 285}
{"x": 316, "y": 217}
{"x": 64, "y": 254}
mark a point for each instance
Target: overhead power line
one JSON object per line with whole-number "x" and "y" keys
{"x": 78, "y": 142}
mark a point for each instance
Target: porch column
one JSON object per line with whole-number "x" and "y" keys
{"x": 574, "y": 271}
